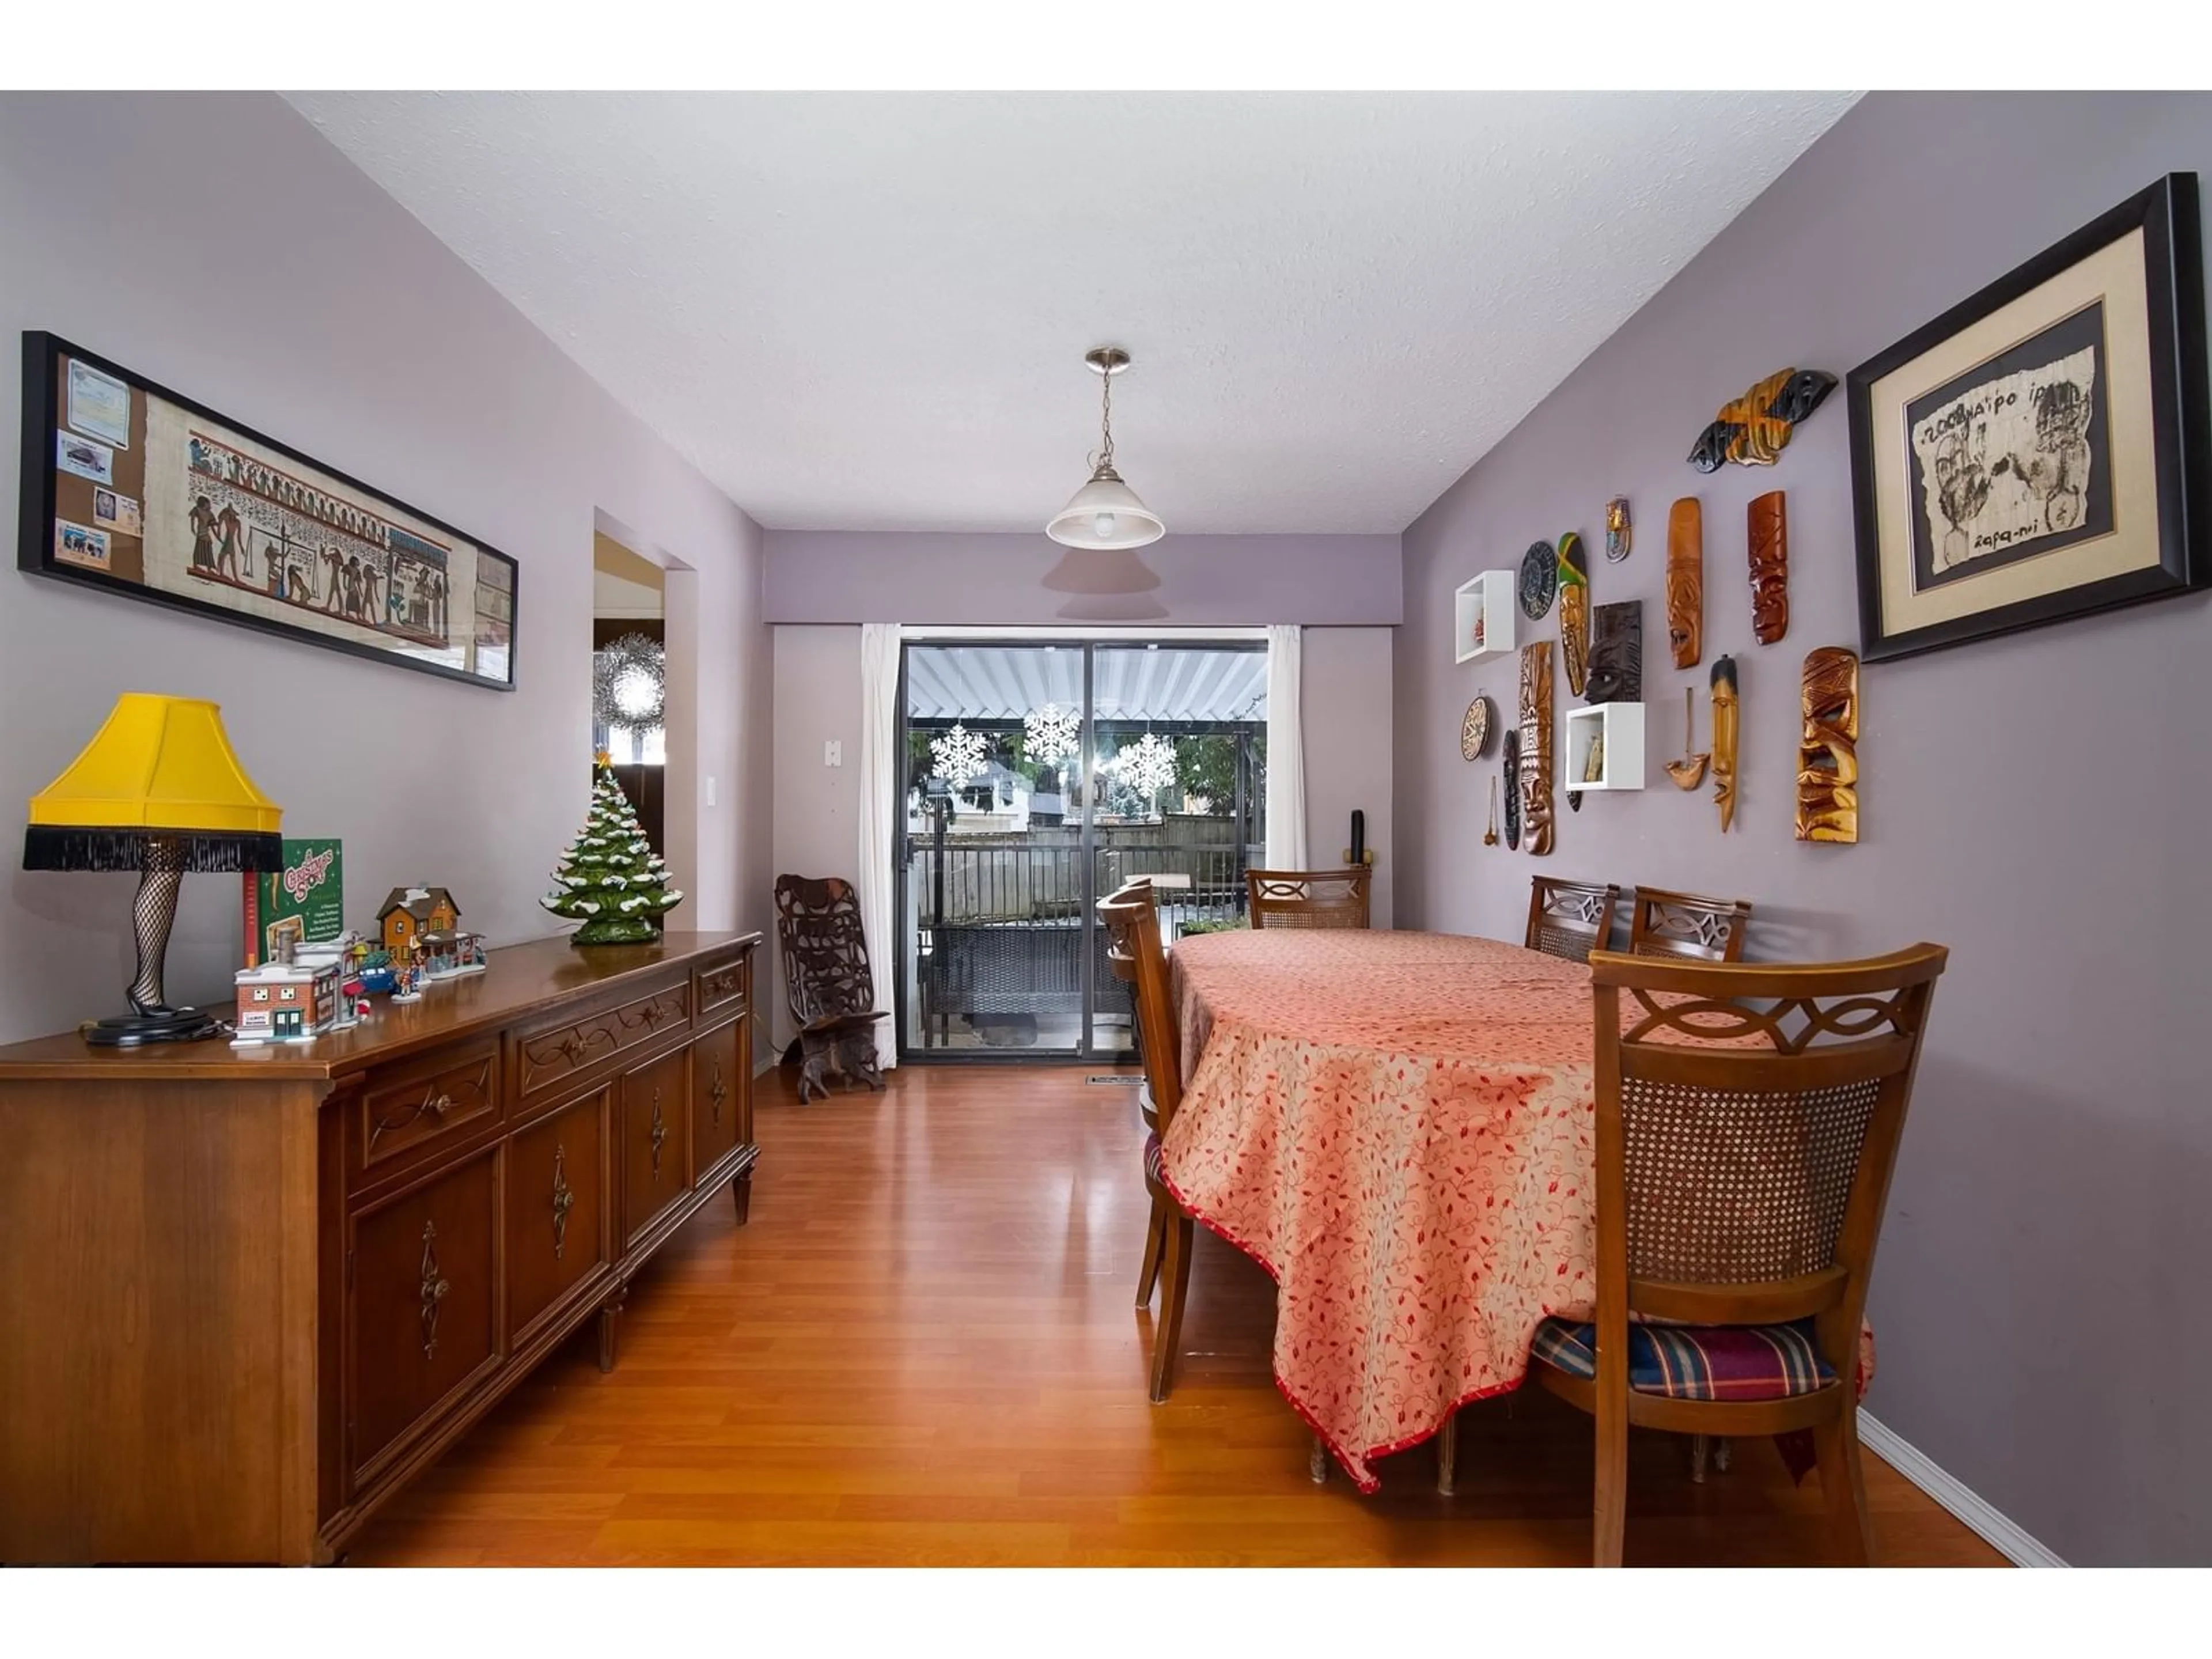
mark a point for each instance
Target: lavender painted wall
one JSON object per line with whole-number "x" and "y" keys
{"x": 939, "y": 579}
{"x": 2037, "y": 803}
{"x": 219, "y": 244}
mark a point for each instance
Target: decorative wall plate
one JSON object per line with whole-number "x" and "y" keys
{"x": 1474, "y": 730}
{"x": 1540, "y": 581}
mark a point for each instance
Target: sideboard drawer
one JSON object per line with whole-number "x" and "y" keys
{"x": 655, "y": 1140}
{"x": 422, "y": 1291}
{"x": 448, "y": 1094}
{"x": 552, "y": 1056}
{"x": 724, "y": 985}
{"x": 557, "y": 1208}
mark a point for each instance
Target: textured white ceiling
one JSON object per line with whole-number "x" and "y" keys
{"x": 868, "y": 312}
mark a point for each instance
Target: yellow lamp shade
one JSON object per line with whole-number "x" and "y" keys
{"x": 160, "y": 768}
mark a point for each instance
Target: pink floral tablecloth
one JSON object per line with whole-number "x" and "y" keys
{"x": 1400, "y": 1127}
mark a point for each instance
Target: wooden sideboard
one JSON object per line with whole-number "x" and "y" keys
{"x": 250, "y": 1293}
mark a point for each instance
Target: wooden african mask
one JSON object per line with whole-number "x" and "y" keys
{"x": 1685, "y": 581}
{"x": 1620, "y": 531}
{"x": 1574, "y": 611}
{"x": 1536, "y": 746}
{"x": 1767, "y": 534}
{"x": 1754, "y": 429}
{"x": 1513, "y": 787}
{"x": 1828, "y": 754}
{"x": 1725, "y": 724}
{"x": 1616, "y": 662}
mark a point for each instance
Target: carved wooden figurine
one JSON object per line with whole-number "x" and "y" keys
{"x": 1512, "y": 769}
{"x": 1574, "y": 611}
{"x": 1828, "y": 754}
{"x": 1489, "y": 835}
{"x": 1536, "y": 746}
{"x": 1767, "y": 534}
{"x": 1620, "y": 531}
{"x": 1754, "y": 429}
{"x": 1616, "y": 663}
{"x": 1689, "y": 771}
{"x": 1725, "y": 724}
{"x": 1685, "y": 581}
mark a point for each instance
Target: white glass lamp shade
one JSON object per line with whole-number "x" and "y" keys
{"x": 1105, "y": 513}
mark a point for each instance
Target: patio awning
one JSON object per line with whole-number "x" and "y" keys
{"x": 1134, "y": 683}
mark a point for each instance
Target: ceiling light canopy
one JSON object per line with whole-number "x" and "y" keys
{"x": 1106, "y": 512}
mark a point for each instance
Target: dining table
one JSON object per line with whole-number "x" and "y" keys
{"x": 1400, "y": 1129}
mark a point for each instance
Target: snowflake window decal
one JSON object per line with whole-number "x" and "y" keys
{"x": 1050, "y": 734}
{"x": 1147, "y": 765}
{"x": 958, "y": 756}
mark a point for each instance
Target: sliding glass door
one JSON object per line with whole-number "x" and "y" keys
{"x": 1040, "y": 776}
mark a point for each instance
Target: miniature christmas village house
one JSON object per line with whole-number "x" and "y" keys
{"x": 286, "y": 1002}
{"x": 411, "y": 913}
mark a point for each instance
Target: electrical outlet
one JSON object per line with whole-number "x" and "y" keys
{"x": 833, "y": 753}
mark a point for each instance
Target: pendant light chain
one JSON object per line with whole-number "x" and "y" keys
{"x": 1106, "y": 424}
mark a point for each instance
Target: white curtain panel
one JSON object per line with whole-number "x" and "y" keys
{"x": 880, "y": 801}
{"x": 1286, "y": 750}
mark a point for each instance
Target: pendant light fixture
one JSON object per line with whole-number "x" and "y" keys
{"x": 1106, "y": 512}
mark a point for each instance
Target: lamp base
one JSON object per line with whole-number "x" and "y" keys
{"x": 170, "y": 1025}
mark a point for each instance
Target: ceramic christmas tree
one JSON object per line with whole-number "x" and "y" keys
{"x": 610, "y": 879}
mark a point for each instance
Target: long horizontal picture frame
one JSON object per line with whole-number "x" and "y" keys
{"x": 2036, "y": 454}
{"x": 131, "y": 488}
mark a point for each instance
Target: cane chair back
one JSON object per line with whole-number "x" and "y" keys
{"x": 1133, "y": 953}
{"x": 1744, "y": 1184}
{"x": 1308, "y": 898}
{"x": 1570, "y": 918}
{"x": 1687, "y": 926}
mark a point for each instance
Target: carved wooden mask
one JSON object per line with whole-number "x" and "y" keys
{"x": 1616, "y": 665}
{"x": 1685, "y": 581}
{"x": 1536, "y": 745}
{"x": 1724, "y": 734}
{"x": 1767, "y": 534}
{"x": 1574, "y": 611}
{"x": 1827, "y": 754}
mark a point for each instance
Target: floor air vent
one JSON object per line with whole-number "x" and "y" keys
{"x": 1115, "y": 1079}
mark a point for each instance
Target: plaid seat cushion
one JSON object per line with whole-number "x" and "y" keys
{"x": 1697, "y": 1362}
{"x": 1152, "y": 1159}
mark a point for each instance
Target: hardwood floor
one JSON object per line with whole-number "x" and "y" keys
{"x": 922, "y": 1351}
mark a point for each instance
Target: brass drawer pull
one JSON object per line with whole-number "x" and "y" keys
{"x": 564, "y": 1199}
{"x": 435, "y": 1290}
{"x": 660, "y": 1134}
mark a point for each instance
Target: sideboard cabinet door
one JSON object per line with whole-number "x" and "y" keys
{"x": 557, "y": 1219}
{"x": 422, "y": 1304}
{"x": 720, "y": 1102}
{"x": 656, "y": 1140}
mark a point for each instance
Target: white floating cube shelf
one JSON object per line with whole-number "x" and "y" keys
{"x": 1490, "y": 596}
{"x": 1621, "y": 725}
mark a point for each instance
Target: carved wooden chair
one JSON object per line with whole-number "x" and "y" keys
{"x": 1687, "y": 925}
{"x": 1308, "y": 898}
{"x": 1740, "y": 1195}
{"x": 1132, "y": 949}
{"x": 1570, "y": 918}
{"x": 828, "y": 983}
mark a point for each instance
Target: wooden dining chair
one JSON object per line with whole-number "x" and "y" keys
{"x": 1133, "y": 950}
{"x": 1747, "y": 1123}
{"x": 1687, "y": 925}
{"x": 1308, "y": 898}
{"x": 1570, "y": 918}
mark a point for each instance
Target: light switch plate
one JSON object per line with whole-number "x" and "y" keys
{"x": 833, "y": 752}
{"x": 710, "y": 790}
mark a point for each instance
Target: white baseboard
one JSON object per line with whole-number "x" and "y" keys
{"x": 2000, "y": 1531}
